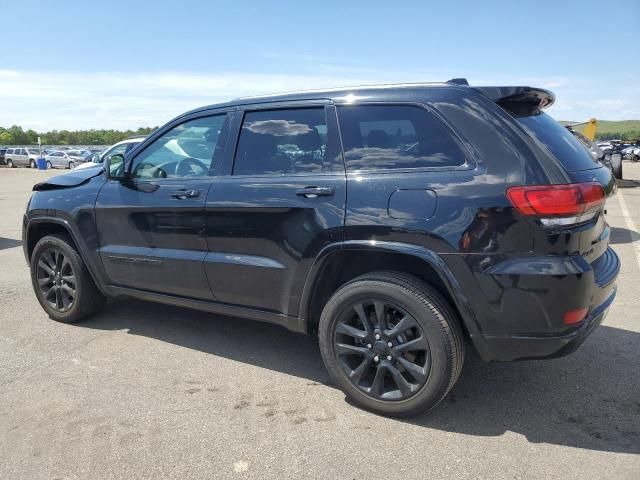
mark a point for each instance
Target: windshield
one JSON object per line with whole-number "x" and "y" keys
{"x": 559, "y": 141}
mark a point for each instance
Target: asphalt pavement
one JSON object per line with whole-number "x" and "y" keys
{"x": 150, "y": 391}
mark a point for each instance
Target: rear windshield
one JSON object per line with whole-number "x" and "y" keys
{"x": 560, "y": 142}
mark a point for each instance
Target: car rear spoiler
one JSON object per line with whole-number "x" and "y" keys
{"x": 517, "y": 100}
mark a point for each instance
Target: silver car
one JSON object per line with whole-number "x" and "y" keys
{"x": 21, "y": 157}
{"x": 60, "y": 159}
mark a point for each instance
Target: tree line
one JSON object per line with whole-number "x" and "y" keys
{"x": 15, "y": 135}
{"x": 628, "y": 136}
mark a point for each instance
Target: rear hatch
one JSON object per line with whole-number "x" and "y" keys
{"x": 588, "y": 235}
{"x": 581, "y": 167}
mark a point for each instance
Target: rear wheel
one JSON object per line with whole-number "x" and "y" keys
{"x": 32, "y": 163}
{"x": 62, "y": 282}
{"x": 392, "y": 343}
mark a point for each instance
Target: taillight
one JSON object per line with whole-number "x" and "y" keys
{"x": 557, "y": 205}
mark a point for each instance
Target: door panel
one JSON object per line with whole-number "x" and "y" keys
{"x": 152, "y": 239}
{"x": 263, "y": 237}
{"x": 284, "y": 202}
{"x": 152, "y": 224}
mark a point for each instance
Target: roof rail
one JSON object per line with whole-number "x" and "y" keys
{"x": 458, "y": 81}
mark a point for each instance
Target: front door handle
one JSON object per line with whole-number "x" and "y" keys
{"x": 184, "y": 193}
{"x": 314, "y": 192}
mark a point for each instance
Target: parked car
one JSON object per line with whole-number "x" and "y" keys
{"x": 632, "y": 152}
{"x": 401, "y": 224}
{"x": 80, "y": 156}
{"x": 60, "y": 159}
{"x": 21, "y": 157}
{"x": 2, "y": 152}
{"x": 612, "y": 159}
{"x": 118, "y": 148}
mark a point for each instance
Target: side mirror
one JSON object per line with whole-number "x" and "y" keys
{"x": 114, "y": 166}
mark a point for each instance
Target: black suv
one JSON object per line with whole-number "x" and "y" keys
{"x": 401, "y": 224}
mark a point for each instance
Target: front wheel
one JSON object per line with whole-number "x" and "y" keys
{"x": 392, "y": 343}
{"x": 10, "y": 163}
{"x": 49, "y": 166}
{"x": 32, "y": 163}
{"x": 72, "y": 165}
{"x": 62, "y": 282}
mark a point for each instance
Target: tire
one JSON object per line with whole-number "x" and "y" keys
{"x": 56, "y": 270}
{"x": 32, "y": 163}
{"x": 617, "y": 171}
{"x": 10, "y": 163}
{"x": 49, "y": 166}
{"x": 418, "y": 315}
{"x": 72, "y": 165}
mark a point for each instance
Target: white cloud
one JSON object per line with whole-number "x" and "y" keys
{"x": 75, "y": 100}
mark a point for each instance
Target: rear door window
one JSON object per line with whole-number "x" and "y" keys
{"x": 396, "y": 137}
{"x": 559, "y": 141}
{"x": 280, "y": 142}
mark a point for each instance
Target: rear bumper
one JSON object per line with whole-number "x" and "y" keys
{"x": 525, "y": 321}
{"x": 523, "y": 347}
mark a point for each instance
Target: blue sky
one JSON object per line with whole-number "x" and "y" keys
{"x": 117, "y": 64}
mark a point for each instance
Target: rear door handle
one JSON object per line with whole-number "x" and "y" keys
{"x": 314, "y": 192}
{"x": 184, "y": 193}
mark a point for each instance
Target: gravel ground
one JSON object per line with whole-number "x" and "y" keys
{"x": 149, "y": 391}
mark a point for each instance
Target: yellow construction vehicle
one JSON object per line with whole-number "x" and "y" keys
{"x": 589, "y": 130}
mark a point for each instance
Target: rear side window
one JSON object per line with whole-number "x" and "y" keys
{"x": 396, "y": 137}
{"x": 278, "y": 142}
{"x": 559, "y": 141}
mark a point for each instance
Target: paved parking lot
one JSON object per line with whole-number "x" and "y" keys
{"x": 144, "y": 391}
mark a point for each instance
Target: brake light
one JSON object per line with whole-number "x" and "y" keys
{"x": 558, "y": 204}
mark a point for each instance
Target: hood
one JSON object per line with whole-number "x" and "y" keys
{"x": 71, "y": 179}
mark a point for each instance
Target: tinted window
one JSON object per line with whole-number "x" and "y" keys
{"x": 278, "y": 142}
{"x": 186, "y": 150}
{"x": 559, "y": 141}
{"x": 10, "y": 151}
{"x": 396, "y": 137}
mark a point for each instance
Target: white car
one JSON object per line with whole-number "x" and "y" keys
{"x": 120, "y": 147}
{"x": 631, "y": 153}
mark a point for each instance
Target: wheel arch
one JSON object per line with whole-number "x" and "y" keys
{"x": 39, "y": 227}
{"x": 339, "y": 263}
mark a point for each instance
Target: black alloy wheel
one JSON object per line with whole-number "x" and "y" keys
{"x": 56, "y": 279}
{"x": 382, "y": 349}
{"x": 391, "y": 342}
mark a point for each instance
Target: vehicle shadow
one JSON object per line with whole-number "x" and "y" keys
{"x": 627, "y": 183}
{"x": 588, "y": 400}
{"x": 9, "y": 243}
{"x": 622, "y": 235}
